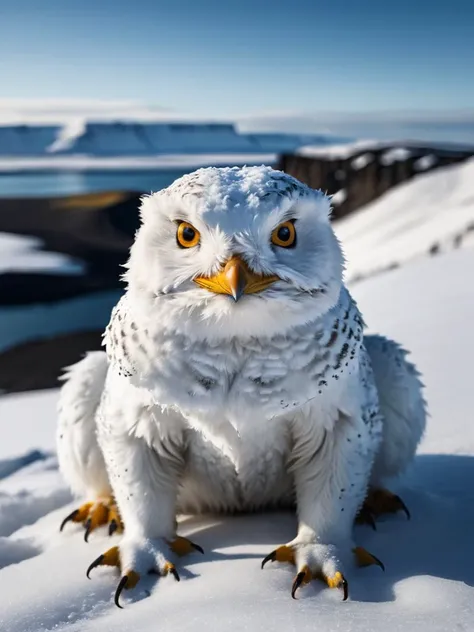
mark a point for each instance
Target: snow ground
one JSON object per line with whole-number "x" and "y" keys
{"x": 428, "y": 305}
{"x": 21, "y": 254}
{"x": 433, "y": 210}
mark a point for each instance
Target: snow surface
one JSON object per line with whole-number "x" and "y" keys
{"x": 432, "y": 211}
{"x": 360, "y": 162}
{"x": 429, "y": 580}
{"x": 425, "y": 162}
{"x": 343, "y": 151}
{"x": 397, "y": 154}
{"x": 21, "y": 254}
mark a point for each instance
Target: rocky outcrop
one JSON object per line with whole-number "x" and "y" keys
{"x": 359, "y": 173}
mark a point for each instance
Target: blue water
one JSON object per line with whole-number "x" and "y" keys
{"x": 70, "y": 183}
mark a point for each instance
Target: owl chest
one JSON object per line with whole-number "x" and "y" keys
{"x": 246, "y": 472}
{"x": 241, "y": 382}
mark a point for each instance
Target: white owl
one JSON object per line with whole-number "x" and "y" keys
{"x": 237, "y": 377}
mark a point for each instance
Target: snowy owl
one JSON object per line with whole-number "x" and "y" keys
{"x": 237, "y": 377}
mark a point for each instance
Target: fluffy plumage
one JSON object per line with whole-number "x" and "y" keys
{"x": 212, "y": 404}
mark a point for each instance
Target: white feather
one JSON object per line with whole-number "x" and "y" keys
{"x": 215, "y": 405}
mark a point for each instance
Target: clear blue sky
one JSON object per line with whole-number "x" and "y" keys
{"x": 234, "y": 57}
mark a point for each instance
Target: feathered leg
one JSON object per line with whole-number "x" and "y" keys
{"x": 80, "y": 457}
{"x": 144, "y": 471}
{"x": 332, "y": 470}
{"x": 403, "y": 410}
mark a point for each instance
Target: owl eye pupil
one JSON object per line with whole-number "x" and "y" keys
{"x": 284, "y": 233}
{"x": 188, "y": 233}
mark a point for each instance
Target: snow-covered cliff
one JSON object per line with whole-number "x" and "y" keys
{"x": 142, "y": 138}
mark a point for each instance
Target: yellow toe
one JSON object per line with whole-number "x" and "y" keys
{"x": 364, "y": 558}
{"x": 182, "y": 546}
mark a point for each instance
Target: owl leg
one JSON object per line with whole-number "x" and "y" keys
{"x": 287, "y": 553}
{"x": 155, "y": 557}
{"x": 380, "y": 501}
{"x": 96, "y": 514}
{"x": 145, "y": 483}
{"x": 332, "y": 471}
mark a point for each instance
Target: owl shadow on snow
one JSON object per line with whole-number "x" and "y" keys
{"x": 436, "y": 541}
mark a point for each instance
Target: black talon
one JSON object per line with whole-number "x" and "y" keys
{"x": 297, "y": 583}
{"x": 94, "y": 564}
{"x": 88, "y": 526}
{"x": 371, "y": 520}
{"x": 113, "y": 526}
{"x": 197, "y": 547}
{"x": 71, "y": 516}
{"x": 379, "y": 562}
{"x": 174, "y": 572}
{"x": 345, "y": 588}
{"x": 118, "y": 592}
{"x": 365, "y": 516}
{"x": 271, "y": 557}
{"x": 403, "y": 507}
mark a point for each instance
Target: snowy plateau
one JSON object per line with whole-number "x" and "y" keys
{"x": 427, "y": 304}
{"x": 133, "y": 144}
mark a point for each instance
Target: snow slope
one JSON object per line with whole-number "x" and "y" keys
{"x": 429, "y": 580}
{"x": 432, "y": 212}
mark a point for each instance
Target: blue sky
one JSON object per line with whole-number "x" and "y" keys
{"x": 239, "y": 57}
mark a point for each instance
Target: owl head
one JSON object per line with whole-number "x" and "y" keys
{"x": 246, "y": 252}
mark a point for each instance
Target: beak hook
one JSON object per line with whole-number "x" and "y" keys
{"x": 236, "y": 278}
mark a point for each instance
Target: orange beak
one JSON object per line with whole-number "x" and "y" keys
{"x": 236, "y": 279}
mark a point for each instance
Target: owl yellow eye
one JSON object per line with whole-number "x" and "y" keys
{"x": 284, "y": 235}
{"x": 187, "y": 236}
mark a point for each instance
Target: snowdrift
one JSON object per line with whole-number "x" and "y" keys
{"x": 430, "y": 214}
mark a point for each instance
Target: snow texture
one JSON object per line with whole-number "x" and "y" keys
{"x": 425, "y": 162}
{"x": 345, "y": 150}
{"x": 362, "y": 161}
{"x": 398, "y": 154}
{"x": 428, "y": 214}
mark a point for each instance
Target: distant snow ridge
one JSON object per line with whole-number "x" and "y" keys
{"x": 432, "y": 213}
{"x": 143, "y": 138}
{"x": 27, "y": 140}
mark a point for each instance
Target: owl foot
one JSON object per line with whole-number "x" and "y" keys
{"x": 319, "y": 561}
{"x": 143, "y": 557}
{"x": 379, "y": 502}
{"x": 94, "y": 515}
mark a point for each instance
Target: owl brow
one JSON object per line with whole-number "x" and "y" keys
{"x": 180, "y": 216}
{"x": 287, "y": 216}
